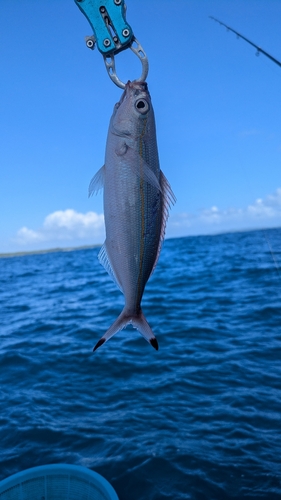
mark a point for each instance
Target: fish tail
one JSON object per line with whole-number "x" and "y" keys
{"x": 138, "y": 321}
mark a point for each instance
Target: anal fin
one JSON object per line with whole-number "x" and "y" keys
{"x": 105, "y": 262}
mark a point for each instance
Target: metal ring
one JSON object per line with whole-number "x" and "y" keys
{"x": 110, "y": 65}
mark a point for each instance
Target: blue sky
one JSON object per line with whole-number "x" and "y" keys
{"x": 217, "y": 108}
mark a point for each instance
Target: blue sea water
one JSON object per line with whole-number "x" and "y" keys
{"x": 199, "y": 419}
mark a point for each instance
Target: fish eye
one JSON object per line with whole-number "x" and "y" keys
{"x": 142, "y": 106}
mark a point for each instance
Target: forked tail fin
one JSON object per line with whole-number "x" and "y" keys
{"x": 138, "y": 321}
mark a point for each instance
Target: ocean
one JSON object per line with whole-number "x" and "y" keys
{"x": 199, "y": 419}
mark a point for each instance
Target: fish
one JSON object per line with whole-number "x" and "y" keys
{"x": 137, "y": 199}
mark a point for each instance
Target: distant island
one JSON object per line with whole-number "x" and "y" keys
{"x": 49, "y": 250}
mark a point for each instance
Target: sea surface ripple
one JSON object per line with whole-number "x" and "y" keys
{"x": 199, "y": 419}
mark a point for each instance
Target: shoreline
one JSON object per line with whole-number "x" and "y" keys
{"x": 48, "y": 250}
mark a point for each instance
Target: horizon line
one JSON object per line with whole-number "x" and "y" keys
{"x": 22, "y": 253}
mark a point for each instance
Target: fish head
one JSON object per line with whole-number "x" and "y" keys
{"x": 133, "y": 112}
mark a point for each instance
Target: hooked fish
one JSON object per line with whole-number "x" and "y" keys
{"x": 137, "y": 197}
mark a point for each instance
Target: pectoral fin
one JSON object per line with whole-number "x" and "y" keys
{"x": 136, "y": 163}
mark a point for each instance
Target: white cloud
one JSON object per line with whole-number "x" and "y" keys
{"x": 262, "y": 213}
{"x": 28, "y": 235}
{"x": 65, "y": 225}
{"x": 73, "y": 223}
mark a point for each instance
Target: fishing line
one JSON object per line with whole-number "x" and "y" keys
{"x": 267, "y": 57}
{"x": 272, "y": 254}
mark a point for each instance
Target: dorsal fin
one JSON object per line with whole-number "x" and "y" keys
{"x": 97, "y": 182}
{"x": 168, "y": 200}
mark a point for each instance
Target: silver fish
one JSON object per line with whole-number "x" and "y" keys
{"x": 137, "y": 197}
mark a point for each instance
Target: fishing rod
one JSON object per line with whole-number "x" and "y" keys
{"x": 259, "y": 49}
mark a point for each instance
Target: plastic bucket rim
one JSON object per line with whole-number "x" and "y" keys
{"x": 23, "y": 475}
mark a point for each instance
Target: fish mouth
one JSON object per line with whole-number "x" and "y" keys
{"x": 137, "y": 88}
{"x": 133, "y": 90}
{"x": 142, "y": 86}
